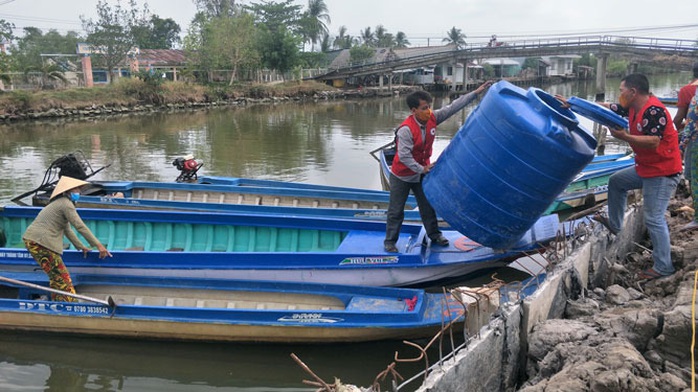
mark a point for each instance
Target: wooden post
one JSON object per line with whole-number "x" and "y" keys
{"x": 465, "y": 75}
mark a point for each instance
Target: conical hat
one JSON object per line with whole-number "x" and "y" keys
{"x": 65, "y": 184}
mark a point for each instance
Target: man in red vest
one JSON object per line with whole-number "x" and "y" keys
{"x": 414, "y": 140}
{"x": 657, "y": 171}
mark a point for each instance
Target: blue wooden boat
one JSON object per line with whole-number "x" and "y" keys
{"x": 265, "y": 247}
{"x": 588, "y": 188}
{"x": 670, "y": 101}
{"x": 224, "y": 310}
{"x": 353, "y": 203}
{"x": 220, "y": 194}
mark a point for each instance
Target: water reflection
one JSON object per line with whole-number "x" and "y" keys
{"x": 50, "y": 363}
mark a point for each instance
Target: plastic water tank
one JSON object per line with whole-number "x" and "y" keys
{"x": 515, "y": 153}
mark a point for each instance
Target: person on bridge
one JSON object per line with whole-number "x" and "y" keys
{"x": 413, "y": 147}
{"x": 657, "y": 171}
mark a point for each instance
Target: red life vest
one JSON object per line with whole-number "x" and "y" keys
{"x": 421, "y": 152}
{"x": 665, "y": 160}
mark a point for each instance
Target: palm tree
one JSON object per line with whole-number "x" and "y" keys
{"x": 401, "y": 40}
{"x": 50, "y": 73}
{"x": 383, "y": 38}
{"x": 316, "y": 18}
{"x": 367, "y": 36}
{"x": 455, "y": 36}
{"x": 342, "y": 40}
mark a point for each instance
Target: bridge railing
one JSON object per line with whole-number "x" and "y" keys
{"x": 581, "y": 43}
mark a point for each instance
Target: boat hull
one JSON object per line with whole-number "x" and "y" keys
{"x": 231, "y": 311}
{"x": 254, "y": 247}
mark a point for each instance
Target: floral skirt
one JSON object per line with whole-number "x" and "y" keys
{"x": 58, "y": 275}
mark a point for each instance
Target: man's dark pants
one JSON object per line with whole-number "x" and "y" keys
{"x": 399, "y": 191}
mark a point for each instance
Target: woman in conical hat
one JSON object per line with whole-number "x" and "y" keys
{"x": 44, "y": 237}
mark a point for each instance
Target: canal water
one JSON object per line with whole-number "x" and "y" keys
{"x": 326, "y": 142}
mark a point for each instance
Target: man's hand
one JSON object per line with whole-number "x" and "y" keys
{"x": 427, "y": 168}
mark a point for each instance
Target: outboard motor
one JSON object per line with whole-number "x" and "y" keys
{"x": 69, "y": 165}
{"x": 188, "y": 167}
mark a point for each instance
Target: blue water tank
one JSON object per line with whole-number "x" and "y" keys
{"x": 515, "y": 153}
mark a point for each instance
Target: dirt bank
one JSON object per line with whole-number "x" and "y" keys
{"x": 630, "y": 336}
{"x": 135, "y": 96}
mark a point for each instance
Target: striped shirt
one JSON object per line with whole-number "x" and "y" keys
{"x": 53, "y": 222}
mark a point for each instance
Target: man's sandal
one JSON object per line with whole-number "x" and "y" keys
{"x": 649, "y": 274}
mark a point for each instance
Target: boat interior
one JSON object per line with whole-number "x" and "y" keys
{"x": 193, "y": 237}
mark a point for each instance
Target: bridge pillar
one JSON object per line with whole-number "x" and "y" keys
{"x": 465, "y": 75}
{"x": 601, "y": 63}
{"x": 632, "y": 68}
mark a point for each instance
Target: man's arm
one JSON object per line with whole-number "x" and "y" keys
{"x": 454, "y": 107}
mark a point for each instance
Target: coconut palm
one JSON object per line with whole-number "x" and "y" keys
{"x": 401, "y": 40}
{"x": 367, "y": 36}
{"x": 455, "y": 36}
{"x": 315, "y": 19}
{"x": 50, "y": 73}
{"x": 383, "y": 38}
{"x": 342, "y": 40}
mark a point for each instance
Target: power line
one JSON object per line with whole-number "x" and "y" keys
{"x": 38, "y": 19}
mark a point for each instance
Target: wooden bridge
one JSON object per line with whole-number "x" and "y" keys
{"x": 639, "y": 49}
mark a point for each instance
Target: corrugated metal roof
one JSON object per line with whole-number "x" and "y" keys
{"x": 162, "y": 57}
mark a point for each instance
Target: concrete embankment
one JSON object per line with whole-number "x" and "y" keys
{"x": 591, "y": 326}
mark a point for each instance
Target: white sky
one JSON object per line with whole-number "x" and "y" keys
{"x": 422, "y": 20}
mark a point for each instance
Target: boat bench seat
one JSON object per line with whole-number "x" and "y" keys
{"x": 202, "y": 303}
{"x": 377, "y": 305}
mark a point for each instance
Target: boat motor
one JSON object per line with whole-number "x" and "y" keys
{"x": 188, "y": 167}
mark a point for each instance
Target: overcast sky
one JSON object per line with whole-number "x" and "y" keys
{"x": 424, "y": 21}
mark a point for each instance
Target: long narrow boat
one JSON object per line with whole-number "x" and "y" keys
{"x": 224, "y": 310}
{"x": 351, "y": 203}
{"x": 266, "y": 247}
{"x": 589, "y": 187}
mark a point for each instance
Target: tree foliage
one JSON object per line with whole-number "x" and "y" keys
{"x": 5, "y": 60}
{"x": 279, "y": 29}
{"x": 361, "y": 53}
{"x": 29, "y": 47}
{"x": 343, "y": 40}
{"x": 111, "y": 34}
{"x": 456, "y": 37}
{"x": 216, "y": 8}
{"x": 401, "y": 40}
{"x": 313, "y": 21}
{"x": 157, "y": 33}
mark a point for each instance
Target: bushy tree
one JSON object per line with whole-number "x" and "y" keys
{"x": 224, "y": 42}
{"x": 279, "y": 37}
{"x": 5, "y": 60}
{"x": 29, "y": 47}
{"x": 111, "y": 34}
{"x": 216, "y": 8}
{"x": 361, "y": 53}
{"x": 157, "y": 33}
